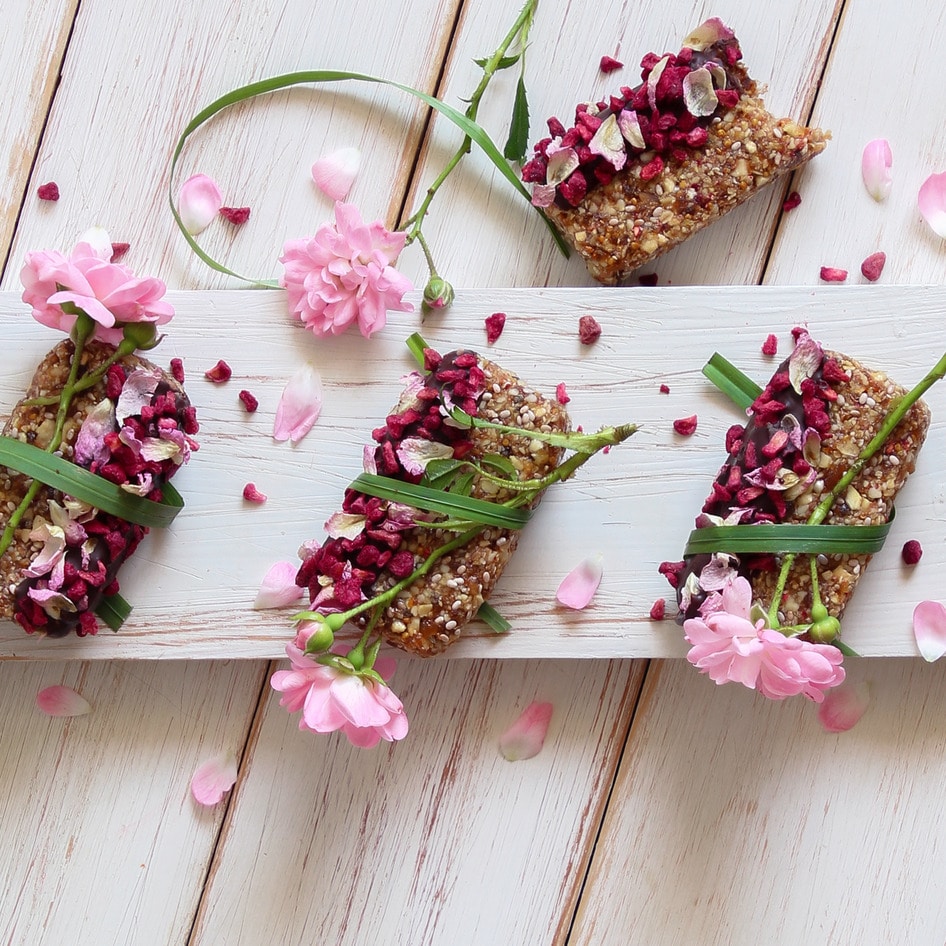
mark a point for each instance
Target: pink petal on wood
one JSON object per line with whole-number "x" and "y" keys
{"x": 929, "y": 628}
{"x": 932, "y": 202}
{"x": 278, "y": 588}
{"x": 844, "y": 706}
{"x": 578, "y": 587}
{"x": 198, "y": 202}
{"x": 214, "y": 779}
{"x": 62, "y": 701}
{"x": 299, "y": 406}
{"x": 526, "y": 736}
{"x": 335, "y": 173}
{"x": 876, "y": 162}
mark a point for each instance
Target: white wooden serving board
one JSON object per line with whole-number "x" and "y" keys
{"x": 193, "y": 585}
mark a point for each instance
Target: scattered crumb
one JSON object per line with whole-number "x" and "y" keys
{"x": 249, "y": 401}
{"x": 658, "y": 610}
{"x": 609, "y": 64}
{"x": 177, "y": 370}
{"x": 770, "y": 346}
{"x": 665, "y": 389}
{"x": 589, "y": 331}
{"x": 48, "y": 191}
{"x": 792, "y": 201}
{"x": 236, "y": 215}
{"x": 561, "y": 394}
{"x": 873, "y": 266}
{"x": 494, "y": 326}
{"x": 685, "y": 426}
{"x": 830, "y": 274}
{"x": 252, "y": 495}
{"x": 912, "y": 552}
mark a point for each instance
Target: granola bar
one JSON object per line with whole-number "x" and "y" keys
{"x": 133, "y": 427}
{"x": 638, "y": 174}
{"x": 806, "y": 429}
{"x": 374, "y": 544}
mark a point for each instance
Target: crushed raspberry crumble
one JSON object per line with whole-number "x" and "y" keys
{"x": 236, "y": 215}
{"x": 589, "y": 331}
{"x": 685, "y": 426}
{"x": 495, "y": 324}
{"x": 49, "y": 191}
{"x": 912, "y": 552}
{"x": 792, "y": 201}
{"x": 658, "y": 610}
{"x": 219, "y": 373}
{"x": 561, "y": 394}
{"x": 118, "y": 251}
{"x": 770, "y": 346}
{"x": 873, "y": 266}
{"x": 252, "y": 495}
{"x": 250, "y": 403}
{"x": 608, "y": 65}
{"x": 831, "y": 274}
{"x": 177, "y": 370}
{"x": 664, "y": 389}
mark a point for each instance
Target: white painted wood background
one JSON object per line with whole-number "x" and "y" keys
{"x": 731, "y": 820}
{"x": 193, "y": 586}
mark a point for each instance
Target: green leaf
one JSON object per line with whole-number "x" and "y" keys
{"x": 114, "y": 611}
{"x": 498, "y": 462}
{"x": 518, "y": 140}
{"x": 59, "y": 473}
{"x": 788, "y": 537}
{"x": 844, "y": 648}
{"x": 438, "y": 474}
{"x": 436, "y": 500}
{"x": 463, "y": 484}
{"x": 505, "y": 62}
{"x": 416, "y": 345}
{"x": 469, "y": 128}
{"x": 493, "y": 619}
{"x": 739, "y": 388}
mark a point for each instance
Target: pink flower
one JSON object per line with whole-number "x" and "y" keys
{"x": 331, "y": 699}
{"x": 730, "y": 648}
{"x": 107, "y": 292}
{"x": 344, "y": 273}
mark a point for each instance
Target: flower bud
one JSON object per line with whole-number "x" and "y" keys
{"x": 438, "y": 293}
{"x": 318, "y": 636}
{"x": 142, "y": 334}
{"x": 825, "y": 630}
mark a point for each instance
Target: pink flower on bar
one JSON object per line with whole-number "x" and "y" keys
{"x": 929, "y": 628}
{"x": 331, "y": 699}
{"x": 344, "y": 274}
{"x": 578, "y": 587}
{"x": 731, "y": 649}
{"x": 198, "y": 202}
{"x": 62, "y": 701}
{"x": 932, "y": 202}
{"x": 278, "y": 587}
{"x": 876, "y": 162}
{"x": 526, "y": 736}
{"x": 214, "y": 779}
{"x": 107, "y": 292}
{"x": 300, "y": 405}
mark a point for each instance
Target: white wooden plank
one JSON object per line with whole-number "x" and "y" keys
{"x": 436, "y": 840}
{"x": 482, "y": 233}
{"x": 192, "y": 587}
{"x": 121, "y": 107}
{"x": 32, "y": 43}
{"x": 102, "y": 842}
{"x": 738, "y": 820}
{"x": 866, "y": 94}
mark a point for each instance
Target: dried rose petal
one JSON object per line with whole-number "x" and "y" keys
{"x": 62, "y": 701}
{"x": 658, "y": 609}
{"x": 911, "y": 552}
{"x": 278, "y": 588}
{"x": 830, "y": 274}
{"x": 250, "y": 403}
{"x": 664, "y": 389}
{"x": 48, "y": 191}
{"x": 770, "y": 345}
{"x": 494, "y": 326}
{"x": 336, "y": 172}
{"x": 177, "y": 370}
{"x": 876, "y": 162}
{"x": 685, "y": 426}
{"x": 589, "y": 331}
{"x": 219, "y": 373}
{"x": 791, "y": 202}
{"x": 844, "y": 706}
{"x": 526, "y": 736}
{"x": 236, "y": 215}
{"x": 648, "y": 279}
{"x": 561, "y": 394}
{"x": 873, "y": 266}
{"x": 929, "y": 629}
{"x": 608, "y": 64}
{"x": 932, "y": 202}
{"x": 252, "y": 495}
{"x": 198, "y": 202}
{"x": 118, "y": 251}
{"x": 578, "y": 587}
{"x": 214, "y": 779}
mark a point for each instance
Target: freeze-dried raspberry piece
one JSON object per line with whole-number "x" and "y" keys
{"x": 911, "y": 553}
{"x": 219, "y": 373}
{"x": 236, "y": 215}
{"x": 249, "y": 402}
{"x": 494, "y": 326}
{"x": 831, "y": 274}
{"x": 177, "y": 370}
{"x": 118, "y": 251}
{"x": 770, "y": 345}
{"x": 48, "y": 191}
{"x": 252, "y": 495}
{"x": 561, "y": 395}
{"x": 658, "y": 609}
{"x": 609, "y": 64}
{"x": 792, "y": 201}
{"x": 664, "y": 389}
{"x": 873, "y": 266}
{"x": 589, "y": 331}
{"x": 685, "y": 426}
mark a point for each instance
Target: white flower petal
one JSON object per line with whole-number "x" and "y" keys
{"x": 630, "y": 127}
{"x": 929, "y": 628}
{"x": 335, "y": 173}
{"x": 198, "y": 202}
{"x": 299, "y": 405}
{"x": 932, "y": 202}
{"x": 214, "y": 779}
{"x": 526, "y": 736}
{"x": 578, "y": 587}
{"x": 415, "y": 453}
{"x": 62, "y": 701}
{"x": 708, "y": 32}
{"x": 278, "y": 587}
{"x": 876, "y": 162}
{"x": 699, "y": 94}
{"x": 609, "y": 143}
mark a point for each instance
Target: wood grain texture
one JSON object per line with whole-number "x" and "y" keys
{"x": 737, "y": 821}
{"x": 32, "y": 44}
{"x": 193, "y": 585}
{"x": 504, "y": 242}
{"x": 436, "y": 840}
{"x": 102, "y": 842}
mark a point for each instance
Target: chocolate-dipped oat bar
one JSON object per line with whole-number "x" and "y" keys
{"x": 638, "y": 174}
{"x": 806, "y": 431}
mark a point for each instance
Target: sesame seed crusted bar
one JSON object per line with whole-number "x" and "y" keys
{"x": 97, "y": 543}
{"x": 642, "y": 172}
{"x": 765, "y": 480}
{"x": 430, "y": 613}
